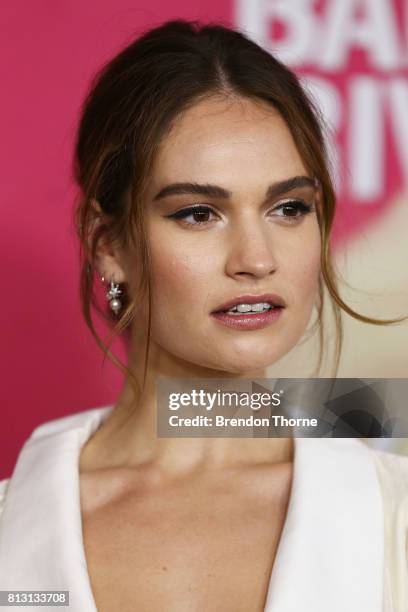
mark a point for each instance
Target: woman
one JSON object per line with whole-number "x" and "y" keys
{"x": 206, "y": 206}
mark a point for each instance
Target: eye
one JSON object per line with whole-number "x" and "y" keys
{"x": 194, "y": 215}
{"x": 292, "y": 210}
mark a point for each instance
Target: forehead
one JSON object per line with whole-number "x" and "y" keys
{"x": 228, "y": 141}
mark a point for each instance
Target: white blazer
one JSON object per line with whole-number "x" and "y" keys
{"x": 342, "y": 548}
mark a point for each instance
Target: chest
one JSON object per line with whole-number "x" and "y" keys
{"x": 187, "y": 548}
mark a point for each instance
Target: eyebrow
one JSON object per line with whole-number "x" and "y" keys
{"x": 215, "y": 191}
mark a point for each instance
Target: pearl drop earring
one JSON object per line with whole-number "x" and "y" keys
{"x": 113, "y": 295}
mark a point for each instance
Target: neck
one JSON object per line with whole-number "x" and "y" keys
{"x": 128, "y": 437}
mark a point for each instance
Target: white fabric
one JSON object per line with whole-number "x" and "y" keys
{"x": 337, "y": 549}
{"x": 393, "y": 475}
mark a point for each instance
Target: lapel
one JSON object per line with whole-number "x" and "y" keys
{"x": 330, "y": 555}
{"x": 41, "y": 546}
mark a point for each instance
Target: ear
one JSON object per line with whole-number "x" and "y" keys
{"x": 109, "y": 259}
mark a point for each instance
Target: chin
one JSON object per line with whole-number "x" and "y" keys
{"x": 248, "y": 357}
{"x": 245, "y": 363}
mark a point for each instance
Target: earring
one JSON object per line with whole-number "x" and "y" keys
{"x": 113, "y": 296}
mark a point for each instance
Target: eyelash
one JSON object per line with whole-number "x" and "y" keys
{"x": 298, "y": 205}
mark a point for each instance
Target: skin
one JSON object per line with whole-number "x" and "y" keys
{"x": 244, "y": 247}
{"x": 139, "y": 487}
{"x": 196, "y": 268}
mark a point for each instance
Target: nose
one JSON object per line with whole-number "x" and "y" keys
{"x": 250, "y": 250}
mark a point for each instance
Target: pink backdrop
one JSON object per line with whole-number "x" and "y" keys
{"x": 352, "y": 54}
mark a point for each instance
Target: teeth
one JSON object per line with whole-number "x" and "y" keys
{"x": 243, "y": 308}
{"x": 259, "y": 307}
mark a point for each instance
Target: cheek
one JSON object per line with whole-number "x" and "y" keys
{"x": 299, "y": 268}
{"x": 307, "y": 277}
{"x": 304, "y": 279}
{"x": 181, "y": 277}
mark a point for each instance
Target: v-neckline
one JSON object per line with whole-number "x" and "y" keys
{"x": 330, "y": 552}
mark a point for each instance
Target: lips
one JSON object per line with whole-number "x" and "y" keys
{"x": 270, "y": 298}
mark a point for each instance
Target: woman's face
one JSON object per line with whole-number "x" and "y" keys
{"x": 241, "y": 241}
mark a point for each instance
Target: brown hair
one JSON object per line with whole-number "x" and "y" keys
{"x": 129, "y": 108}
